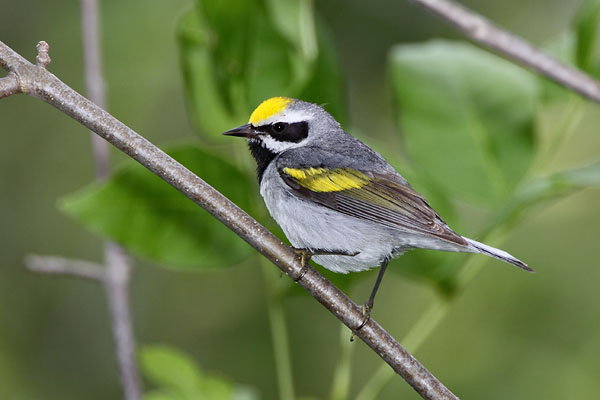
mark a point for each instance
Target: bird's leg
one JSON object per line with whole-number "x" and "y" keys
{"x": 368, "y": 306}
{"x": 306, "y": 254}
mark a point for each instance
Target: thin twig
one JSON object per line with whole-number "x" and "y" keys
{"x": 482, "y": 31}
{"x": 42, "y": 84}
{"x": 64, "y": 266}
{"x": 118, "y": 268}
{"x": 116, "y": 285}
{"x": 94, "y": 81}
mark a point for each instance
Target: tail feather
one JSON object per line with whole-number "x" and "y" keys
{"x": 498, "y": 254}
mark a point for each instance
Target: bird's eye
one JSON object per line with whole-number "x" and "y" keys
{"x": 279, "y": 127}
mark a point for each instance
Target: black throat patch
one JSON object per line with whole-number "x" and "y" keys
{"x": 281, "y": 131}
{"x": 262, "y": 155}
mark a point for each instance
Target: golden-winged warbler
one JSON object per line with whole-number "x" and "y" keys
{"x": 337, "y": 199}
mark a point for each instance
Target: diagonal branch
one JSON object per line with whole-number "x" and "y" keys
{"x": 510, "y": 46}
{"x": 38, "y": 82}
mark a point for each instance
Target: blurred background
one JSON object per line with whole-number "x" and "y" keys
{"x": 503, "y": 334}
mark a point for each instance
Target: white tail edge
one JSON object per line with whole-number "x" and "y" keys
{"x": 498, "y": 254}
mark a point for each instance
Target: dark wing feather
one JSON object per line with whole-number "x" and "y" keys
{"x": 385, "y": 199}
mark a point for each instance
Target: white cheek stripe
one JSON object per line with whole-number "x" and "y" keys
{"x": 289, "y": 117}
{"x": 277, "y": 147}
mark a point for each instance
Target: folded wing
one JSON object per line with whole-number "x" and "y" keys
{"x": 382, "y": 198}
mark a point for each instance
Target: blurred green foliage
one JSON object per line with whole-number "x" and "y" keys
{"x": 476, "y": 106}
{"x": 549, "y": 188}
{"x": 482, "y": 139}
{"x": 480, "y": 109}
{"x": 586, "y": 30}
{"x": 234, "y": 55}
{"x": 178, "y": 378}
{"x": 151, "y": 219}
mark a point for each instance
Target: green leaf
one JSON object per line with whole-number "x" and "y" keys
{"x": 205, "y": 97}
{"x": 467, "y": 118}
{"x": 269, "y": 66}
{"x": 180, "y": 379}
{"x": 236, "y": 54}
{"x": 150, "y": 218}
{"x": 577, "y": 46}
{"x": 169, "y": 368}
{"x": 231, "y": 25}
{"x": 294, "y": 20}
{"x": 548, "y": 188}
{"x": 325, "y": 86}
{"x": 562, "y": 48}
{"x": 586, "y": 28}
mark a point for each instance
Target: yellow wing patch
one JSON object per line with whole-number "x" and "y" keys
{"x": 269, "y": 107}
{"x": 328, "y": 180}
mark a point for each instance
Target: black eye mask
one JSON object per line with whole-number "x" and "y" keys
{"x": 284, "y": 132}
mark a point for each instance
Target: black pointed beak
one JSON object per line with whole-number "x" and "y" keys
{"x": 247, "y": 131}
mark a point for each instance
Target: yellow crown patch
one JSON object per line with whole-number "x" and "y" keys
{"x": 268, "y": 108}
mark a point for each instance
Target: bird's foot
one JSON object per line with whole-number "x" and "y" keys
{"x": 306, "y": 254}
{"x": 366, "y": 312}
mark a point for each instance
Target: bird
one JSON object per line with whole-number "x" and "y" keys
{"x": 338, "y": 201}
